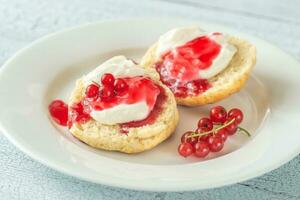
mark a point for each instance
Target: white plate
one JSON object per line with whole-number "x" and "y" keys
{"x": 48, "y": 68}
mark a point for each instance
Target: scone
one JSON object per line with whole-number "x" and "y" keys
{"x": 120, "y": 106}
{"x": 200, "y": 67}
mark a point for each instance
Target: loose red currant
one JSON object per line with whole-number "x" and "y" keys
{"x": 107, "y": 93}
{"x": 57, "y": 103}
{"x": 186, "y": 149}
{"x": 218, "y": 114}
{"x": 231, "y": 128}
{"x": 59, "y": 112}
{"x": 121, "y": 86}
{"x": 222, "y": 133}
{"x": 205, "y": 124}
{"x": 237, "y": 114}
{"x": 191, "y": 140}
{"x": 92, "y": 90}
{"x": 108, "y": 80}
{"x": 201, "y": 149}
{"x": 215, "y": 143}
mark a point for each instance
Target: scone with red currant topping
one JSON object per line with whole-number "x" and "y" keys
{"x": 120, "y": 106}
{"x": 200, "y": 67}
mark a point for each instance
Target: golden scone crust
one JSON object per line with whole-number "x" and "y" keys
{"x": 139, "y": 139}
{"x": 229, "y": 81}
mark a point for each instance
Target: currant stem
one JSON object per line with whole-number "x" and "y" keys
{"x": 96, "y": 83}
{"x": 244, "y": 131}
{"x": 213, "y": 130}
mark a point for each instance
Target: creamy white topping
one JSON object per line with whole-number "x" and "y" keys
{"x": 119, "y": 66}
{"x": 180, "y": 36}
{"x": 177, "y": 37}
{"x": 121, "y": 113}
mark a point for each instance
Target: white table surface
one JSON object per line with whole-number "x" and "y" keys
{"x": 22, "y": 22}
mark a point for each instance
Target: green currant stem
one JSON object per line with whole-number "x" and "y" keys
{"x": 212, "y": 131}
{"x": 244, "y": 131}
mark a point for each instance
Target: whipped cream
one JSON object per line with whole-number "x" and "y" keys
{"x": 119, "y": 66}
{"x": 121, "y": 113}
{"x": 177, "y": 37}
{"x": 180, "y": 36}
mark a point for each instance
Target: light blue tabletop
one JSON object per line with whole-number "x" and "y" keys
{"x": 21, "y": 22}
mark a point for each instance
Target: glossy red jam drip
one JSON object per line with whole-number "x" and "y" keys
{"x": 156, "y": 111}
{"x": 139, "y": 89}
{"x": 179, "y": 68}
{"x": 77, "y": 114}
{"x": 59, "y": 112}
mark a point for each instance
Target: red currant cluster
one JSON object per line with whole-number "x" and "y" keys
{"x": 110, "y": 88}
{"x": 212, "y": 132}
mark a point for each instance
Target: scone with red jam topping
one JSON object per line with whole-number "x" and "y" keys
{"x": 200, "y": 67}
{"x": 120, "y": 106}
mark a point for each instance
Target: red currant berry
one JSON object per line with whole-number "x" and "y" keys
{"x": 92, "y": 90}
{"x": 57, "y": 103}
{"x": 205, "y": 124}
{"x": 231, "y": 128}
{"x": 59, "y": 112}
{"x": 108, "y": 79}
{"x": 203, "y": 137}
{"x": 107, "y": 93}
{"x": 237, "y": 114}
{"x": 186, "y": 149}
{"x": 192, "y": 140}
{"x": 218, "y": 114}
{"x": 201, "y": 149}
{"x": 222, "y": 133}
{"x": 121, "y": 86}
{"x": 215, "y": 143}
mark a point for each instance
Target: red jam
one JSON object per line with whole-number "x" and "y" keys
{"x": 77, "y": 114}
{"x": 179, "y": 68}
{"x": 158, "y": 108}
{"x": 139, "y": 89}
{"x": 59, "y": 112}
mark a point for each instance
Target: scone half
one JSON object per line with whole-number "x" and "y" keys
{"x": 136, "y": 139}
{"x": 229, "y": 81}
